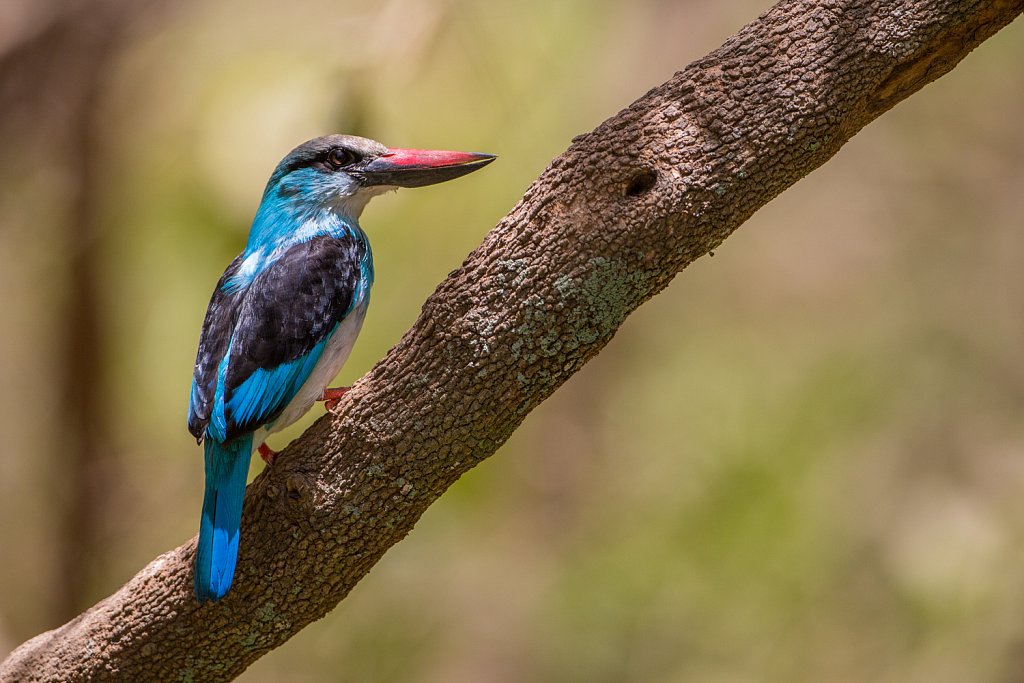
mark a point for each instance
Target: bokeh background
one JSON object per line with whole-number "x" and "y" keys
{"x": 804, "y": 461}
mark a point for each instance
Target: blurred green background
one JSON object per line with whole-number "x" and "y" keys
{"x": 802, "y": 462}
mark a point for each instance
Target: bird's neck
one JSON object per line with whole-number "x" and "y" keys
{"x": 285, "y": 219}
{"x": 281, "y": 224}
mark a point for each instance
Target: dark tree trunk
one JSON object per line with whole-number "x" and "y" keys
{"x": 70, "y": 53}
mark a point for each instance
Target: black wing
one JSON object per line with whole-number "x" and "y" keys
{"x": 213, "y": 344}
{"x": 278, "y": 327}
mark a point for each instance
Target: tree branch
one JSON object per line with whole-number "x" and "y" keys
{"x": 607, "y": 225}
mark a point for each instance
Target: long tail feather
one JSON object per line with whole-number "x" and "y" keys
{"x": 227, "y": 466}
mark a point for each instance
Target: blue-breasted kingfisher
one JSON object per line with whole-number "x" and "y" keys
{"x": 285, "y": 315}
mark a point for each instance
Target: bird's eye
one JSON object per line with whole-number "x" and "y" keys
{"x": 339, "y": 157}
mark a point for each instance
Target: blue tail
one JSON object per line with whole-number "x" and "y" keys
{"x": 227, "y": 466}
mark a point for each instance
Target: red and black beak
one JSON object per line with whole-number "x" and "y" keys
{"x": 419, "y": 167}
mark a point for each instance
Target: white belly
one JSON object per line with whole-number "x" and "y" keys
{"x": 327, "y": 368}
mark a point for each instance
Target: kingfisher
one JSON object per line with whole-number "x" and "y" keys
{"x": 285, "y": 315}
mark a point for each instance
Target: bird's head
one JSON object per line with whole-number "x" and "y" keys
{"x": 345, "y": 171}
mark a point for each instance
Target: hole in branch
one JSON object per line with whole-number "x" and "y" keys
{"x": 641, "y": 182}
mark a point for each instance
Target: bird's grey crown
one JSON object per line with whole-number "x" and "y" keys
{"x": 315, "y": 151}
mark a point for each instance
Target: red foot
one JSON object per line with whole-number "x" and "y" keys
{"x": 268, "y": 454}
{"x": 332, "y": 396}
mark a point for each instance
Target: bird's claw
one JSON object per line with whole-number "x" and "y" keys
{"x": 268, "y": 454}
{"x": 332, "y": 396}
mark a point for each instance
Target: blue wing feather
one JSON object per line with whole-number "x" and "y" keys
{"x": 261, "y": 397}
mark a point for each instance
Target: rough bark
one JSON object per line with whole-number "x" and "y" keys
{"x": 607, "y": 225}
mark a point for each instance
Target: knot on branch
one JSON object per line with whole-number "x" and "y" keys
{"x": 642, "y": 181}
